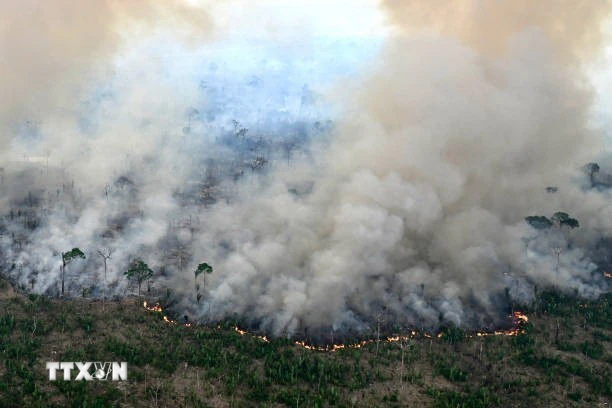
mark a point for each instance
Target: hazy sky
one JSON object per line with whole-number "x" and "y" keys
{"x": 349, "y": 18}
{"x": 300, "y": 21}
{"x": 602, "y": 79}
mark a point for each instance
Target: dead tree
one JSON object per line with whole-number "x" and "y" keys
{"x": 105, "y": 254}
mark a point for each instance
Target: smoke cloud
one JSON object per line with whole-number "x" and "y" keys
{"x": 410, "y": 211}
{"x": 573, "y": 31}
{"x": 50, "y": 50}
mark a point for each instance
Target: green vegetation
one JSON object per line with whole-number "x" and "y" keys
{"x": 139, "y": 271}
{"x": 559, "y": 219}
{"x": 562, "y": 359}
{"x": 67, "y": 257}
{"x": 539, "y": 222}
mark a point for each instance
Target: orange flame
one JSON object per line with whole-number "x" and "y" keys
{"x": 155, "y": 308}
{"x": 158, "y": 309}
{"x": 608, "y": 275}
{"x": 518, "y": 319}
{"x": 244, "y": 333}
{"x": 240, "y": 332}
{"x": 330, "y": 348}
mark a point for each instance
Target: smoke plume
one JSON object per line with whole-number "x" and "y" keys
{"x": 51, "y": 49}
{"x": 411, "y": 211}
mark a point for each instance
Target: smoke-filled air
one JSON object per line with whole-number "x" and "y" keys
{"x": 436, "y": 168}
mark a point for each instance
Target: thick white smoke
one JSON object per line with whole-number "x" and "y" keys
{"x": 51, "y": 49}
{"x": 413, "y": 211}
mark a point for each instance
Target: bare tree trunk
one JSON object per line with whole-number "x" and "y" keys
{"x": 377, "y": 335}
{"x": 402, "y": 369}
{"x": 105, "y": 253}
{"x": 63, "y": 271}
{"x": 104, "y": 294}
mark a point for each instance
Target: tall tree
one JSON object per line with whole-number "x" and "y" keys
{"x": 592, "y": 169}
{"x": 202, "y": 268}
{"x": 139, "y": 271}
{"x": 67, "y": 257}
{"x": 557, "y": 251}
{"x": 105, "y": 253}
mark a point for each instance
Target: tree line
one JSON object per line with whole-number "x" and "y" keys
{"x": 138, "y": 271}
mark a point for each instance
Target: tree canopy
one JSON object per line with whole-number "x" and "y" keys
{"x": 539, "y": 222}
{"x": 203, "y": 268}
{"x": 563, "y": 218}
{"x": 139, "y": 271}
{"x": 73, "y": 253}
{"x": 592, "y": 168}
{"x": 559, "y": 218}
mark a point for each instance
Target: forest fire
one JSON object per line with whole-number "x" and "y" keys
{"x": 155, "y": 308}
{"x": 519, "y": 317}
{"x": 158, "y": 309}
{"x": 608, "y": 275}
{"x": 332, "y": 347}
{"x": 244, "y": 333}
{"x": 518, "y": 320}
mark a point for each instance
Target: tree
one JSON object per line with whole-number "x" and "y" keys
{"x": 182, "y": 255}
{"x": 591, "y": 169}
{"x": 139, "y": 271}
{"x": 563, "y": 219}
{"x": 559, "y": 219}
{"x": 202, "y": 268}
{"x": 379, "y": 319}
{"x": 105, "y": 253}
{"x": 404, "y": 342}
{"x": 67, "y": 257}
{"x": 558, "y": 251}
{"x": 192, "y": 113}
{"x": 571, "y": 222}
{"x": 539, "y": 222}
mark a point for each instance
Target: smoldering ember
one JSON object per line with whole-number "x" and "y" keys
{"x": 301, "y": 174}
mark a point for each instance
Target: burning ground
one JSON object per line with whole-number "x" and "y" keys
{"x": 561, "y": 357}
{"x": 519, "y": 322}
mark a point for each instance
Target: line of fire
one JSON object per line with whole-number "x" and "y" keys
{"x": 517, "y": 318}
